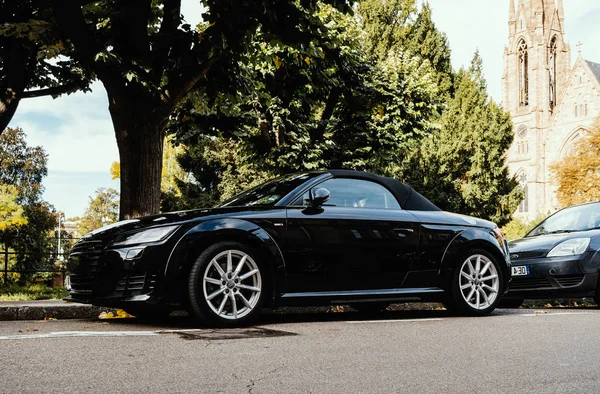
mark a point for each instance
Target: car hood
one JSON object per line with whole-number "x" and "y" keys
{"x": 164, "y": 219}
{"x": 541, "y": 243}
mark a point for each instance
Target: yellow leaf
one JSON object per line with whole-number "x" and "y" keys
{"x": 115, "y": 170}
{"x": 121, "y": 314}
{"x": 277, "y": 63}
{"x": 307, "y": 60}
{"x": 105, "y": 315}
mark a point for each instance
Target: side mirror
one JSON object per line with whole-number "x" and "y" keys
{"x": 320, "y": 197}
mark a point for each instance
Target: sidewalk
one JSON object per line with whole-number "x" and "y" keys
{"x": 44, "y": 309}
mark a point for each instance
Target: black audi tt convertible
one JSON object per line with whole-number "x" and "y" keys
{"x": 313, "y": 238}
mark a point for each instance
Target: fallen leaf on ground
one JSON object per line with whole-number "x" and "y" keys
{"x": 121, "y": 314}
{"x": 49, "y": 318}
{"x": 32, "y": 329}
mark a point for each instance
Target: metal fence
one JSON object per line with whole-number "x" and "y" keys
{"x": 55, "y": 254}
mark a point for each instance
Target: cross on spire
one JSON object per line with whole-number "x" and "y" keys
{"x": 579, "y": 45}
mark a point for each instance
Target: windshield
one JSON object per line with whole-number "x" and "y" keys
{"x": 269, "y": 193}
{"x": 578, "y": 218}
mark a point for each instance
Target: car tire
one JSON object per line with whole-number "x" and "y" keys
{"x": 511, "y": 303}
{"x": 227, "y": 285}
{"x": 370, "y": 307}
{"x": 597, "y": 294}
{"x": 476, "y": 284}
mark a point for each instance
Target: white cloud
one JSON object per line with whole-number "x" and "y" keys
{"x": 76, "y": 130}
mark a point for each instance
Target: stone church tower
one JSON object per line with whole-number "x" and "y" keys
{"x": 543, "y": 93}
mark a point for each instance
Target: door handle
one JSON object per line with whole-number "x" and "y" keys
{"x": 403, "y": 232}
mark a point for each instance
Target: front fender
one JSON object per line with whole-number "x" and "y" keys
{"x": 207, "y": 233}
{"x": 476, "y": 238}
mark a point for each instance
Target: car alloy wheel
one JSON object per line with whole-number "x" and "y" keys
{"x": 227, "y": 285}
{"x": 232, "y": 284}
{"x": 479, "y": 282}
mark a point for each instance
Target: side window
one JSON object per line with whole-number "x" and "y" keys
{"x": 355, "y": 193}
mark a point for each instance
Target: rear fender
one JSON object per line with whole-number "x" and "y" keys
{"x": 475, "y": 238}
{"x": 197, "y": 239}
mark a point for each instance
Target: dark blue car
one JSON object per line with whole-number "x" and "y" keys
{"x": 558, "y": 258}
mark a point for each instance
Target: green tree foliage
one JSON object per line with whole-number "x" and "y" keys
{"x": 462, "y": 167}
{"x": 400, "y": 26}
{"x": 334, "y": 109}
{"x": 31, "y": 64}
{"x": 11, "y": 213}
{"x": 148, "y": 59}
{"x": 103, "y": 209}
{"x": 385, "y": 25}
{"x": 577, "y": 174}
{"x": 22, "y": 168}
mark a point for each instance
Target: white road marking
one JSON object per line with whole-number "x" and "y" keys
{"x": 554, "y": 313}
{"x": 391, "y": 321}
{"x": 71, "y": 334}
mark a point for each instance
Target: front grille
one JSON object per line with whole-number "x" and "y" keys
{"x": 88, "y": 246}
{"x": 525, "y": 255}
{"x": 569, "y": 280}
{"x": 529, "y": 283}
{"x": 84, "y": 262}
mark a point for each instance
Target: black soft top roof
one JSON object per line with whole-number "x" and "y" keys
{"x": 408, "y": 198}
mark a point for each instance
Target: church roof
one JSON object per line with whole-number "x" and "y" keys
{"x": 595, "y": 68}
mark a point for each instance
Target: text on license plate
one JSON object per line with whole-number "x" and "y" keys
{"x": 520, "y": 270}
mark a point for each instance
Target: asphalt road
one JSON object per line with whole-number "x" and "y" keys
{"x": 511, "y": 351}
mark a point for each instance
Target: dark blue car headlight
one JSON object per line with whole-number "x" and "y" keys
{"x": 570, "y": 247}
{"x": 154, "y": 234}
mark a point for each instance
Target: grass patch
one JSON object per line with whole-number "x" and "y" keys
{"x": 31, "y": 292}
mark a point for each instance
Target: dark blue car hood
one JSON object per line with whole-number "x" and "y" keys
{"x": 543, "y": 243}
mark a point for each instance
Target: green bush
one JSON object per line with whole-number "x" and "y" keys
{"x": 31, "y": 292}
{"x": 518, "y": 227}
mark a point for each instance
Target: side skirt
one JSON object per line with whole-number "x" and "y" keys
{"x": 349, "y": 296}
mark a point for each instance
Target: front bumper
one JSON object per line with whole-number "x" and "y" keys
{"x": 107, "y": 277}
{"x": 555, "y": 277}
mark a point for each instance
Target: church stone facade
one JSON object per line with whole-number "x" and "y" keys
{"x": 552, "y": 102}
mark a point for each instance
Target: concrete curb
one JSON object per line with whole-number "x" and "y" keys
{"x": 40, "y": 310}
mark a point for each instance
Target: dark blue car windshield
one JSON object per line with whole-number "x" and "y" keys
{"x": 269, "y": 193}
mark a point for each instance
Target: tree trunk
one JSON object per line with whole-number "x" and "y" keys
{"x": 140, "y": 136}
{"x": 7, "y": 111}
{"x": 16, "y": 67}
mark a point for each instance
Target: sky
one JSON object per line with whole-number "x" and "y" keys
{"x": 77, "y": 133}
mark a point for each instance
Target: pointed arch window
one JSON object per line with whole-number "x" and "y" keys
{"x": 552, "y": 69}
{"x": 523, "y": 74}
{"x": 524, "y": 205}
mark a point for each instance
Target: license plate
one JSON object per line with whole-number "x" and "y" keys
{"x": 520, "y": 270}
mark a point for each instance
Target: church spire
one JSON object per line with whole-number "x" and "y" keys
{"x": 512, "y": 16}
{"x": 561, "y": 13}
{"x": 512, "y": 19}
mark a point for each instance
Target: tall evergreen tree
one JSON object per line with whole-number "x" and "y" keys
{"x": 426, "y": 41}
{"x": 462, "y": 167}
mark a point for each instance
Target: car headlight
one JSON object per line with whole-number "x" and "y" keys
{"x": 145, "y": 236}
{"x": 570, "y": 247}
